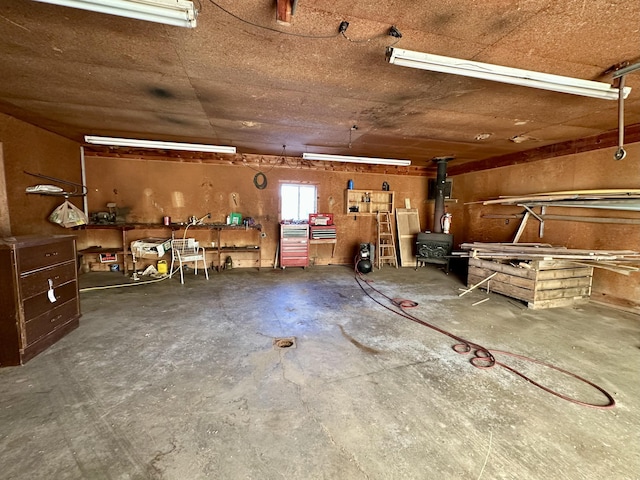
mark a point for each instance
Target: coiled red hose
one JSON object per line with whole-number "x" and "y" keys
{"x": 483, "y": 358}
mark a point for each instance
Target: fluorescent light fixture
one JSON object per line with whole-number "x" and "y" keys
{"x": 497, "y": 73}
{"x": 131, "y": 142}
{"x": 343, "y": 158}
{"x": 179, "y": 13}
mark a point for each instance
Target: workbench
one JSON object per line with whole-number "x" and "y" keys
{"x": 172, "y": 229}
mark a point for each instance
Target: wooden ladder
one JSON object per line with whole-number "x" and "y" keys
{"x": 386, "y": 243}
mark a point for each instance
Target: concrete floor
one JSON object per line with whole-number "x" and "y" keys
{"x": 166, "y": 381}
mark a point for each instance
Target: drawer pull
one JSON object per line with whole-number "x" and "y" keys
{"x": 55, "y": 319}
{"x": 51, "y": 254}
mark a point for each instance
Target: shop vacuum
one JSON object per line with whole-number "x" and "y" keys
{"x": 365, "y": 258}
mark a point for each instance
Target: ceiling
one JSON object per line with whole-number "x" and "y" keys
{"x": 233, "y": 80}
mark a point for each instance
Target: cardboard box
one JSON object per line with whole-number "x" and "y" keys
{"x": 150, "y": 247}
{"x": 235, "y": 218}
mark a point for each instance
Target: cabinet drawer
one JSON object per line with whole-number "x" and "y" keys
{"x": 40, "y": 326}
{"x": 294, "y": 262}
{"x": 299, "y": 249}
{"x": 38, "y": 282}
{"x": 294, "y": 231}
{"x": 295, "y": 255}
{"x": 291, "y": 242}
{"x": 40, "y": 303}
{"x": 39, "y": 256}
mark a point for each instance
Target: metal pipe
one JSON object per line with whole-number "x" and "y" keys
{"x": 628, "y": 69}
{"x": 441, "y": 180}
{"x": 620, "y": 153}
{"x": 83, "y": 179}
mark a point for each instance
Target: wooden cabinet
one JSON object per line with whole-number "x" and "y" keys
{"x": 294, "y": 245}
{"x": 39, "y": 303}
{"x": 368, "y": 202}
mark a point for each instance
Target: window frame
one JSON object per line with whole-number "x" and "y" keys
{"x": 298, "y": 185}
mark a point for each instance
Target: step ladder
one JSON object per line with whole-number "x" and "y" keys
{"x": 386, "y": 243}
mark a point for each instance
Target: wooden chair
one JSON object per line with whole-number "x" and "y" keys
{"x": 184, "y": 251}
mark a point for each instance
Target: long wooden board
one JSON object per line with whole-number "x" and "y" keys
{"x": 503, "y": 268}
{"x": 508, "y": 289}
{"x": 560, "y": 195}
{"x": 558, "y": 302}
{"x": 529, "y": 249}
{"x": 560, "y": 284}
{"x": 603, "y": 191}
{"x": 408, "y": 226}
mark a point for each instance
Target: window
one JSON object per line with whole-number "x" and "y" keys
{"x": 297, "y": 201}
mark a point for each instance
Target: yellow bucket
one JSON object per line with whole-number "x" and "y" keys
{"x": 162, "y": 266}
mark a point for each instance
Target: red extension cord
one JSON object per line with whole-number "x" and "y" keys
{"x": 482, "y": 357}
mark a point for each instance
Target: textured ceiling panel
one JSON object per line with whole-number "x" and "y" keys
{"x": 236, "y": 80}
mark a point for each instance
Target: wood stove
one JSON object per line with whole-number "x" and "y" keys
{"x": 434, "y": 248}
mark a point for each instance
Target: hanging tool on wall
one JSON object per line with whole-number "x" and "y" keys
{"x": 79, "y": 190}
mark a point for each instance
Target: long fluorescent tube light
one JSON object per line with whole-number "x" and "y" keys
{"x": 131, "y": 142}
{"x": 497, "y": 73}
{"x": 343, "y": 158}
{"x": 179, "y": 13}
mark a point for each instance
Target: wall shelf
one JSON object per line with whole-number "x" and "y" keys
{"x": 368, "y": 202}
{"x": 218, "y": 228}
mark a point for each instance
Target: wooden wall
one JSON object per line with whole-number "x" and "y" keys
{"x": 590, "y": 170}
{"x": 151, "y": 189}
{"x": 25, "y": 147}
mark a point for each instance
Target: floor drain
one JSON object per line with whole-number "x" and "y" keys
{"x": 284, "y": 342}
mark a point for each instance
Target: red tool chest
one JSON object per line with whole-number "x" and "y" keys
{"x": 294, "y": 245}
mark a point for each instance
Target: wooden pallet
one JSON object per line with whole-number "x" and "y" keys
{"x": 544, "y": 284}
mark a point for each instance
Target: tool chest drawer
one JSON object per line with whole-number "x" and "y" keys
{"x": 39, "y": 303}
{"x": 290, "y": 245}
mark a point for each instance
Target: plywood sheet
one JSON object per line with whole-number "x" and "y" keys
{"x": 408, "y": 225}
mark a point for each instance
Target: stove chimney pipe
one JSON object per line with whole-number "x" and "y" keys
{"x": 441, "y": 178}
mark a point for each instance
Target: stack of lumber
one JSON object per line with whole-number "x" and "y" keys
{"x": 542, "y": 275}
{"x": 619, "y": 261}
{"x": 614, "y": 199}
